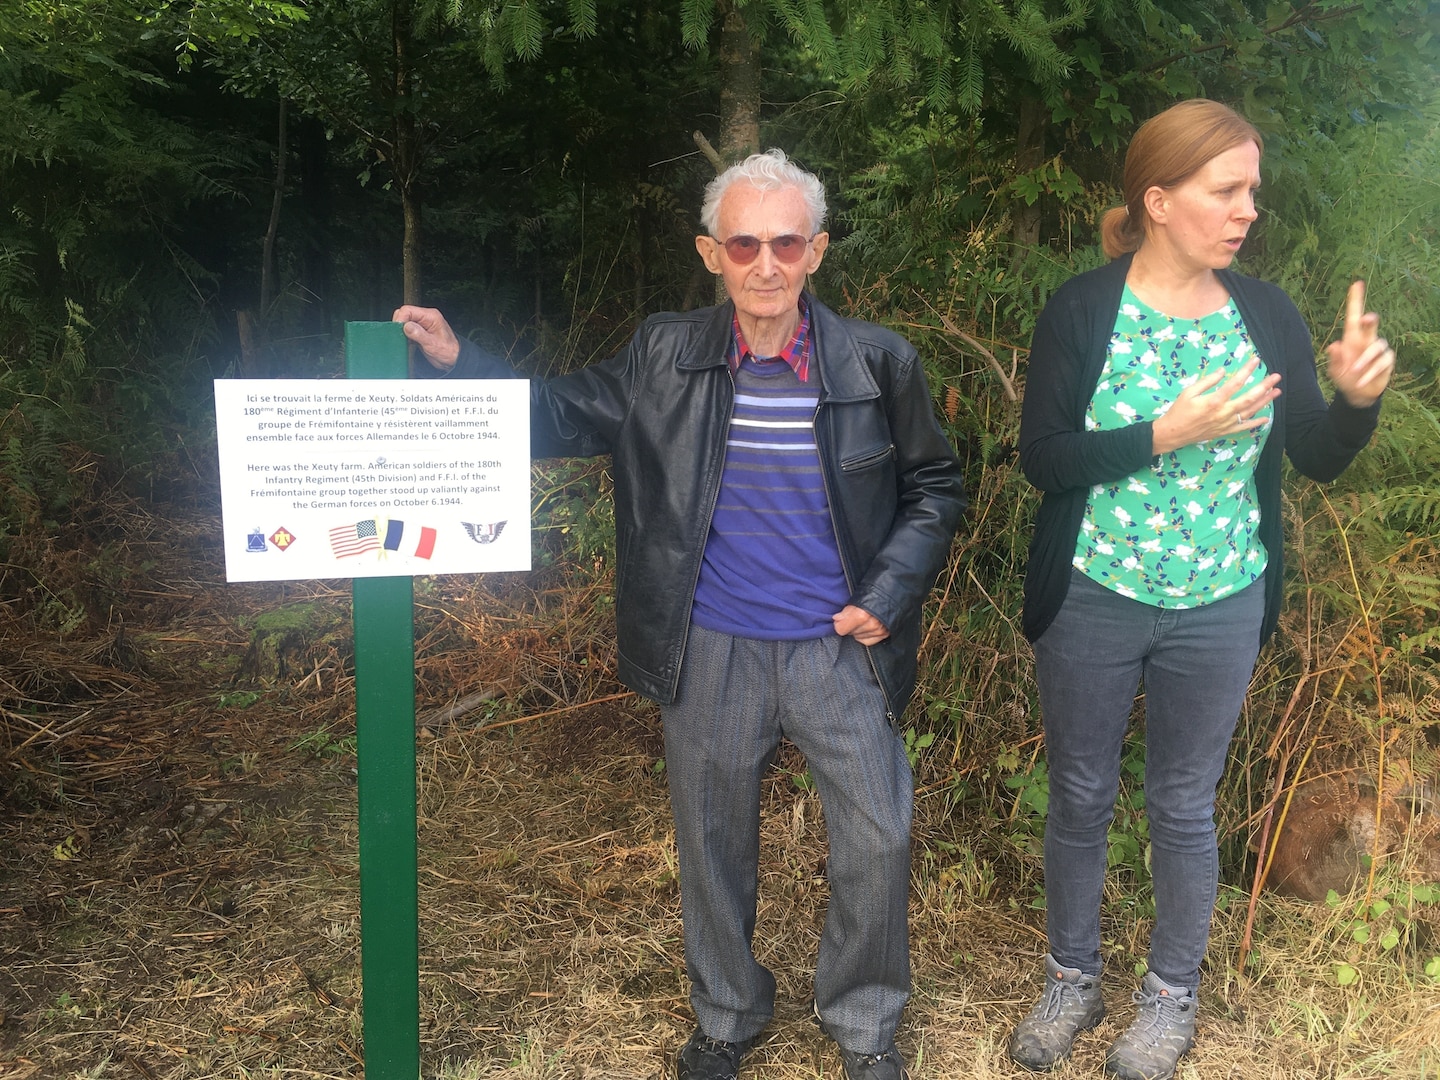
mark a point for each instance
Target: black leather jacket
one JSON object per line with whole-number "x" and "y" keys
{"x": 662, "y": 407}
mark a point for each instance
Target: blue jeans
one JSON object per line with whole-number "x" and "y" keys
{"x": 737, "y": 697}
{"x": 1196, "y": 666}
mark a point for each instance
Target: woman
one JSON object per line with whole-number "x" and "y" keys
{"x": 1162, "y": 391}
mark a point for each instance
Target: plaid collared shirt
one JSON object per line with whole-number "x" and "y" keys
{"x": 796, "y": 354}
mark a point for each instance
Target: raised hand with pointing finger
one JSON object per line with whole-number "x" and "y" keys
{"x": 1361, "y": 362}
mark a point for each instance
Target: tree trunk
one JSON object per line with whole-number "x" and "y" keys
{"x": 252, "y": 355}
{"x": 406, "y": 160}
{"x": 739, "y": 56}
{"x": 410, "y": 204}
{"x": 739, "y": 86}
{"x": 1031, "y": 126}
{"x": 316, "y": 213}
{"x": 267, "y": 257}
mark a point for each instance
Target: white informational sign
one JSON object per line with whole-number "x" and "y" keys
{"x": 373, "y": 477}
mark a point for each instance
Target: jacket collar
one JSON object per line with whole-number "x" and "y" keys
{"x": 844, "y": 375}
{"x": 707, "y": 348}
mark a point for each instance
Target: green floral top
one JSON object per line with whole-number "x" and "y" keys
{"x": 1185, "y": 531}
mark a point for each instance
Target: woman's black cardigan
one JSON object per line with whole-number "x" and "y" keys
{"x": 1063, "y": 460}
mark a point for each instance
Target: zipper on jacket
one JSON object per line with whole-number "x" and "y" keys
{"x": 709, "y": 517}
{"x": 865, "y": 462}
{"x": 890, "y": 716}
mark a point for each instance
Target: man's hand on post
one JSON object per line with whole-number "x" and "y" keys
{"x": 427, "y": 328}
{"x": 861, "y": 625}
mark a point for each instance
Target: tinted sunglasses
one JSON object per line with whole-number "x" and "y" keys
{"x": 789, "y": 248}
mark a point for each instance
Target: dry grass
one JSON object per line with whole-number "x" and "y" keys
{"x": 206, "y": 922}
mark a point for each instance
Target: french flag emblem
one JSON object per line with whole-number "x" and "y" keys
{"x": 402, "y": 537}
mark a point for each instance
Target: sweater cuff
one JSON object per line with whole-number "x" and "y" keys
{"x": 1353, "y": 425}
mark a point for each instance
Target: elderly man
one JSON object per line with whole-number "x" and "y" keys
{"x": 784, "y": 499}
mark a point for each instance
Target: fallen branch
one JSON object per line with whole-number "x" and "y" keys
{"x": 451, "y": 713}
{"x": 553, "y": 712}
{"x": 1006, "y": 381}
{"x": 711, "y": 154}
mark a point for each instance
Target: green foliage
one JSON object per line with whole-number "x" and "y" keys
{"x": 916, "y": 742}
{"x": 1031, "y": 790}
{"x": 322, "y": 742}
{"x": 238, "y": 699}
{"x": 941, "y": 48}
{"x": 33, "y": 470}
{"x": 1368, "y": 207}
{"x": 1394, "y": 927}
{"x": 573, "y": 517}
{"x": 65, "y": 1006}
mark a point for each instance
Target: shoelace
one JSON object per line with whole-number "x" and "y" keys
{"x": 1155, "y": 1017}
{"x": 718, "y": 1047}
{"x": 876, "y": 1059}
{"x": 1054, "y": 999}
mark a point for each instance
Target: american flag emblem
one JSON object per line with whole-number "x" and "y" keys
{"x": 347, "y": 540}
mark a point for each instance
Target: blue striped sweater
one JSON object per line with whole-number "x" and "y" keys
{"x": 771, "y": 567}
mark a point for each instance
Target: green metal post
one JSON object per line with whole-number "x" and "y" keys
{"x": 385, "y": 726}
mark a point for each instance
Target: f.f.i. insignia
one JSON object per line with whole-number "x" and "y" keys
{"x": 483, "y": 534}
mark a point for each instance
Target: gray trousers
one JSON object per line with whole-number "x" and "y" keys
{"x": 1196, "y": 665}
{"x": 737, "y": 698}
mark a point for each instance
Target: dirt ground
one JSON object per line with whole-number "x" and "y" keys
{"x": 179, "y": 877}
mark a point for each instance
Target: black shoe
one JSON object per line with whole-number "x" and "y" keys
{"x": 704, "y": 1058}
{"x": 886, "y": 1065}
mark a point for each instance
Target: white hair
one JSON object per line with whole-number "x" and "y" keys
{"x": 770, "y": 171}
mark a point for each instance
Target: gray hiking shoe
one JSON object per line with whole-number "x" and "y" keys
{"x": 1071, "y": 1004}
{"x": 1163, "y": 1030}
